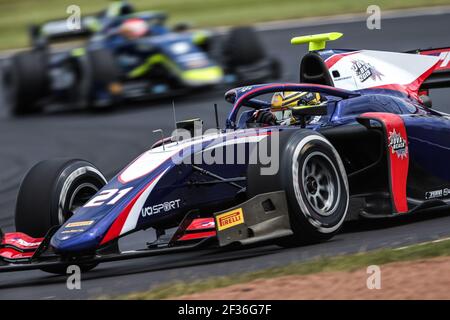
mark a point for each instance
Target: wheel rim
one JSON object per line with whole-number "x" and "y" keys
{"x": 78, "y": 198}
{"x": 320, "y": 183}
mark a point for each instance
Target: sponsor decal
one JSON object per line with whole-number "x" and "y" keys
{"x": 230, "y": 219}
{"x": 245, "y": 89}
{"x": 24, "y": 243}
{"x": 437, "y": 194}
{"x": 342, "y": 78}
{"x": 194, "y": 60}
{"x": 79, "y": 224}
{"x": 181, "y": 47}
{"x": 161, "y": 207}
{"x": 397, "y": 144}
{"x": 107, "y": 197}
{"x": 199, "y": 63}
{"x": 209, "y": 224}
{"x": 364, "y": 71}
{"x": 73, "y": 231}
{"x": 444, "y": 57}
{"x": 315, "y": 120}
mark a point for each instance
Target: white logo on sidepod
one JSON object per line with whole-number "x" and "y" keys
{"x": 164, "y": 207}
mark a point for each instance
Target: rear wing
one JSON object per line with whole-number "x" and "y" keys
{"x": 58, "y": 30}
{"x": 357, "y": 70}
{"x": 440, "y": 78}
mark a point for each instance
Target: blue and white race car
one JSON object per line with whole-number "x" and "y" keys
{"x": 129, "y": 55}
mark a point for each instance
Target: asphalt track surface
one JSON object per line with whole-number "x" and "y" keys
{"x": 112, "y": 139}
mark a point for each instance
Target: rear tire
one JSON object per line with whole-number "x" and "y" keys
{"x": 242, "y": 47}
{"x": 25, "y": 81}
{"x": 314, "y": 179}
{"x": 97, "y": 71}
{"x": 276, "y": 68}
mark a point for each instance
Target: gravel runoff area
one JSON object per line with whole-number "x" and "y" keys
{"x": 423, "y": 279}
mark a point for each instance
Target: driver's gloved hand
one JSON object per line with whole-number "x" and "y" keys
{"x": 263, "y": 117}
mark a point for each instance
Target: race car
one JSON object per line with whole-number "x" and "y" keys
{"x": 129, "y": 55}
{"x": 369, "y": 136}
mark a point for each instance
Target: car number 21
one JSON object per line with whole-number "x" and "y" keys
{"x": 108, "y": 197}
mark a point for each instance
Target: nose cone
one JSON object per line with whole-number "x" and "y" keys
{"x": 84, "y": 231}
{"x": 72, "y": 240}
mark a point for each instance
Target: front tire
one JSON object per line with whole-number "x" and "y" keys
{"x": 51, "y": 191}
{"x": 314, "y": 179}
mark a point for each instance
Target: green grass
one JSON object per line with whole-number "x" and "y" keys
{"x": 16, "y": 15}
{"x": 340, "y": 263}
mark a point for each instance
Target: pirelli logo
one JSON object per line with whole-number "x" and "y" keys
{"x": 229, "y": 219}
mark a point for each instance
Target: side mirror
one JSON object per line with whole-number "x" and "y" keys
{"x": 230, "y": 96}
{"x": 194, "y": 126}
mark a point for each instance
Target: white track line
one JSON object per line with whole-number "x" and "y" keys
{"x": 349, "y": 18}
{"x": 423, "y": 243}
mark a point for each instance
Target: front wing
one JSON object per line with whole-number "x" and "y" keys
{"x": 258, "y": 220}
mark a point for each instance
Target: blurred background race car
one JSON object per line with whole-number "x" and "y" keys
{"x": 128, "y": 55}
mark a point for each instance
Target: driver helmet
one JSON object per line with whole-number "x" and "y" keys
{"x": 283, "y": 101}
{"x": 134, "y": 28}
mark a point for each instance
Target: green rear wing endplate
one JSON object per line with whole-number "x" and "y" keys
{"x": 316, "y": 41}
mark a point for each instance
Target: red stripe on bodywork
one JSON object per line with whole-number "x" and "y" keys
{"x": 116, "y": 227}
{"x": 331, "y": 61}
{"x": 411, "y": 89}
{"x": 444, "y": 58}
{"x": 398, "y": 158}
